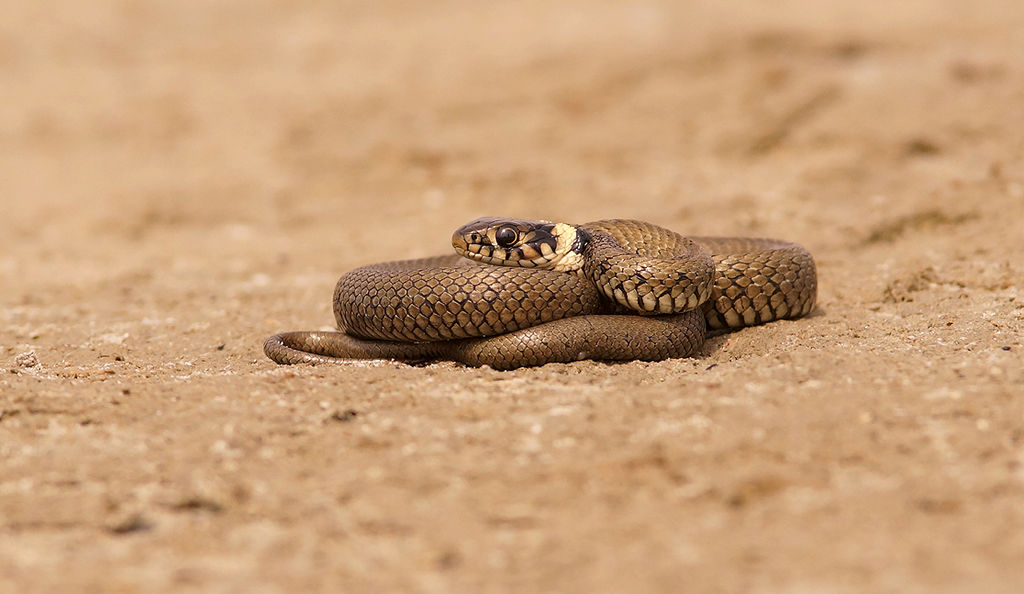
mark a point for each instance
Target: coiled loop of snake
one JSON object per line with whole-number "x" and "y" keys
{"x": 611, "y": 290}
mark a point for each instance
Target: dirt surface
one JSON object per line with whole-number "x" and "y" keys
{"x": 180, "y": 180}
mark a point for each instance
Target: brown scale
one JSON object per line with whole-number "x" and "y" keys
{"x": 507, "y": 317}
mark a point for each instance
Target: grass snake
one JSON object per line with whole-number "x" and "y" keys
{"x": 520, "y": 293}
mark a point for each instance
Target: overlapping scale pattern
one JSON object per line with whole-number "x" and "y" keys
{"x": 506, "y": 317}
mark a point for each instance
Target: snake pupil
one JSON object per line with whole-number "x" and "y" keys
{"x": 506, "y": 236}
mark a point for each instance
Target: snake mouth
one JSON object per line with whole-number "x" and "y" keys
{"x": 480, "y": 252}
{"x": 492, "y": 255}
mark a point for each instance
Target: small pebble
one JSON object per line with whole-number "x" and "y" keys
{"x": 345, "y": 416}
{"x": 27, "y": 360}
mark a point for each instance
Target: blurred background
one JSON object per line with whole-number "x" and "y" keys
{"x": 294, "y": 126}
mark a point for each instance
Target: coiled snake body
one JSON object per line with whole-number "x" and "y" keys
{"x": 608, "y": 290}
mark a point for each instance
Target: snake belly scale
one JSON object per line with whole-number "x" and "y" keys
{"x": 521, "y": 293}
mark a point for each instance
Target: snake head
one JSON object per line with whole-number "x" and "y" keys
{"x": 517, "y": 242}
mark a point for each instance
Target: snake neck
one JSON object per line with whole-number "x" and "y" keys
{"x": 572, "y": 244}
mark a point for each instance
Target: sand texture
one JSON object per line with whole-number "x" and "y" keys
{"x": 179, "y": 180}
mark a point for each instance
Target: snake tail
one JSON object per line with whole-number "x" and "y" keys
{"x": 600, "y": 337}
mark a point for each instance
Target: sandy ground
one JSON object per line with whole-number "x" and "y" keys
{"x": 180, "y": 180}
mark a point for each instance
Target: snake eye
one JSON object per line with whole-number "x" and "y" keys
{"x": 506, "y": 236}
